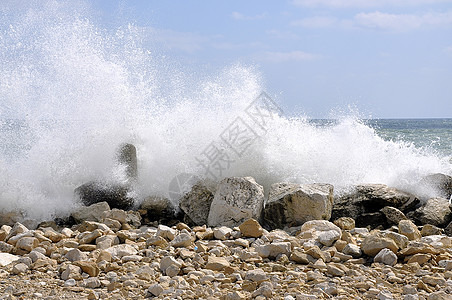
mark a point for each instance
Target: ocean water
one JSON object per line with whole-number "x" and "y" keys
{"x": 71, "y": 92}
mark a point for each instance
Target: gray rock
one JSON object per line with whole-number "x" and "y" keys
{"x": 364, "y": 203}
{"x": 393, "y": 215}
{"x": 19, "y": 268}
{"x": 435, "y": 211}
{"x": 196, "y": 203}
{"x": 353, "y": 250}
{"x": 116, "y": 195}
{"x": 122, "y": 250}
{"x": 386, "y": 256}
{"x": 127, "y": 157}
{"x": 236, "y": 200}
{"x": 293, "y": 204}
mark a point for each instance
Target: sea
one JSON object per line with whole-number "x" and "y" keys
{"x": 71, "y": 92}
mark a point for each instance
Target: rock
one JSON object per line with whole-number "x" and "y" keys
{"x": 127, "y": 157}
{"x": 299, "y": 257}
{"x": 116, "y": 195}
{"x": 91, "y": 283}
{"x": 294, "y": 204}
{"x": 235, "y": 296}
{"x": 158, "y": 209}
{"x": 222, "y": 233}
{"x": 400, "y": 240}
{"x": 440, "y": 295}
{"x": 91, "y": 213}
{"x": 435, "y": 211}
{"x": 393, "y": 215}
{"x": 196, "y": 203}
{"x": 236, "y": 200}
{"x": 182, "y": 240}
{"x": 345, "y": 223}
{"x": 334, "y": 270}
{"x": 251, "y": 228}
{"x": 17, "y": 229}
{"x": 6, "y": 248}
{"x": 89, "y": 237}
{"x": 320, "y": 225}
{"x": 364, "y": 203}
{"x": 328, "y": 237}
{"x": 115, "y": 214}
{"x": 166, "y": 232}
{"x": 19, "y": 268}
{"x": 448, "y": 229}
{"x": 167, "y": 262}
{"x": 122, "y": 250}
{"x": 353, "y": 250}
{"x": 27, "y": 243}
{"x": 155, "y": 289}
{"x": 274, "y": 249}
{"x": 216, "y": 263}
{"x": 375, "y": 242}
{"x": 71, "y": 271}
{"x": 408, "y": 229}
{"x": 429, "y": 229}
{"x": 256, "y": 275}
{"x": 440, "y": 182}
{"x": 75, "y": 255}
{"x": 89, "y": 267}
{"x": 386, "y": 256}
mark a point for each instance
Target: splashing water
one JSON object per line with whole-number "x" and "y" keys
{"x": 71, "y": 92}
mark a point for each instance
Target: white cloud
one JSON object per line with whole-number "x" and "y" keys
{"x": 314, "y": 22}
{"x": 240, "y": 16}
{"x": 364, "y": 3}
{"x": 286, "y": 35}
{"x": 279, "y": 57}
{"x": 401, "y": 22}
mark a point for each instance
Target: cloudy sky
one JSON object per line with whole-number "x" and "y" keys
{"x": 388, "y": 58}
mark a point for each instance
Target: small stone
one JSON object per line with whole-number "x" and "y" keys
{"x": 235, "y": 296}
{"x": 386, "y": 256}
{"x": 373, "y": 243}
{"x": 70, "y": 282}
{"x": 27, "y": 243}
{"x": 429, "y": 229}
{"x": 420, "y": 258}
{"x": 75, "y": 255}
{"x": 440, "y": 295}
{"x": 122, "y": 250}
{"x": 328, "y": 237}
{"x": 168, "y": 261}
{"x": 6, "y": 259}
{"x": 89, "y": 237}
{"x": 335, "y": 271}
{"x": 353, "y": 250}
{"x": 166, "y": 232}
{"x": 71, "y": 271}
{"x": 88, "y": 267}
{"x": 91, "y": 283}
{"x": 20, "y": 268}
{"x": 155, "y": 289}
{"x": 216, "y": 263}
{"x": 345, "y": 223}
{"x": 256, "y": 275}
{"x": 182, "y": 240}
{"x": 222, "y": 233}
{"x": 251, "y": 228}
{"x": 409, "y": 229}
{"x": 172, "y": 271}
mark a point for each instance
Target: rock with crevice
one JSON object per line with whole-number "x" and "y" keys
{"x": 292, "y": 204}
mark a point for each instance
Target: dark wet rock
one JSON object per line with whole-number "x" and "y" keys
{"x": 435, "y": 211}
{"x": 365, "y": 202}
{"x": 294, "y": 204}
{"x": 116, "y": 195}
{"x": 127, "y": 156}
{"x": 158, "y": 209}
{"x": 196, "y": 203}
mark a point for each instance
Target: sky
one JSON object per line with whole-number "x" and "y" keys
{"x": 385, "y": 58}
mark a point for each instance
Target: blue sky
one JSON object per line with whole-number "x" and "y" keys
{"x": 389, "y": 58}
